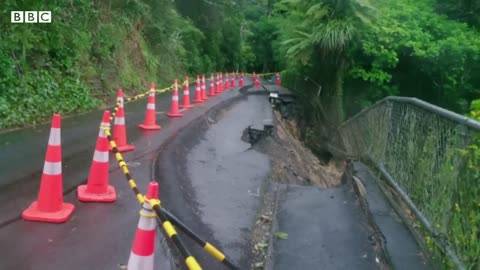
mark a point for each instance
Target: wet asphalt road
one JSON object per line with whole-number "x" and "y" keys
{"x": 212, "y": 179}
{"x": 326, "y": 230}
{"x": 208, "y": 177}
{"x": 98, "y": 236}
{"x": 402, "y": 248}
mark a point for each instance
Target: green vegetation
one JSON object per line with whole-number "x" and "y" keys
{"x": 454, "y": 206}
{"x": 464, "y": 231}
{"x": 339, "y": 56}
{"x": 91, "y": 48}
{"x": 360, "y": 51}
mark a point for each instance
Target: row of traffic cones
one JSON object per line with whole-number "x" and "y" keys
{"x": 50, "y": 206}
{"x": 216, "y": 87}
{"x": 256, "y": 80}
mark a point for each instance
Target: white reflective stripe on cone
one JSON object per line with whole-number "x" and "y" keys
{"x": 121, "y": 102}
{"x": 52, "y": 168}
{"x": 175, "y": 98}
{"x": 151, "y": 94}
{"x": 151, "y": 106}
{"x": 136, "y": 262}
{"x": 54, "y": 138}
{"x": 102, "y": 134}
{"x": 100, "y": 156}
{"x": 186, "y": 93}
{"x": 119, "y": 120}
{"x": 147, "y": 223}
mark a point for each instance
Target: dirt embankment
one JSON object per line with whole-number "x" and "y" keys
{"x": 293, "y": 163}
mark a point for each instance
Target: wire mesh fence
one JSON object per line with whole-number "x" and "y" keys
{"x": 423, "y": 151}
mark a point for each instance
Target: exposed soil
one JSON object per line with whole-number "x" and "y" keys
{"x": 261, "y": 234}
{"x": 292, "y": 163}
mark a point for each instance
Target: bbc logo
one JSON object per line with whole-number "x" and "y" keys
{"x": 31, "y": 17}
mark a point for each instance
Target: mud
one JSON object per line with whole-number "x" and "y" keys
{"x": 292, "y": 162}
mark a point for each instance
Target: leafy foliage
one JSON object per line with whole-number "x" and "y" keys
{"x": 91, "y": 48}
{"x": 411, "y": 50}
{"x": 341, "y": 56}
{"x": 360, "y": 51}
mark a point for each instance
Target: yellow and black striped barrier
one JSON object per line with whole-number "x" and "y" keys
{"x": 142, "y": 95}
{"x": 139, "y": 96}
{"x": 115, "y": 110}
{"x": 263, "y": 74}
{"x": 164, "y": 89}
{"x": 167, "y": 218}
{"x": 212, "y": 250}
{"x": 190, "y": 261}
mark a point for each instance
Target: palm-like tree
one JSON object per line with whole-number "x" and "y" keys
{"x": 324, "y": 27}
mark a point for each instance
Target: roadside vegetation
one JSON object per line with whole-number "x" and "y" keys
{"x": 342, "y": 55}
{"x": 91, "y": 48}
{"x": 338, "y": 56}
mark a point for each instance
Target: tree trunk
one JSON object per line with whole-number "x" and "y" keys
{"x": 338, "y": 95}
{"x": 269, "y": 8}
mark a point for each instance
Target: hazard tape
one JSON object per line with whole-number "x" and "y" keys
{"x": 166, "y": 218}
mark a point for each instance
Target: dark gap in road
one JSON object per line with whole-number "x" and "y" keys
{"x": 253, "y": 135}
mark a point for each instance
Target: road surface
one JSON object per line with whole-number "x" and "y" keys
{"x": 211, "y": 179}
{"x": 98, "y": 236}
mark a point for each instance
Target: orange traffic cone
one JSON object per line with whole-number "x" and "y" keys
{"x": 119, "y": 129}
{"x": 204, "y": 88}
{"x": 279, "y": 81}
{"x": 151, "y": 114}
{"x": 212, "y": 86}
{"x": 257, "y": 82}
{"x": 220, "y": 82}
{"x": 222, "y": 85}
{"x": 227, "y": 81}
{"x": 97, "y": 188}
{"x": 174, "y": 112}
{"x": 217, "y": 84}
{"x": 143, "y": 249}
{"x": 186, "y": 95}
{"x": 198, "y": 91}
{"x": 49, "y": 206}
{"x": 232, "y": 84}
{"x": 240, "y": 83}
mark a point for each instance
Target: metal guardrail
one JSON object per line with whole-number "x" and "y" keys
{"x": 414, "y": 145}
